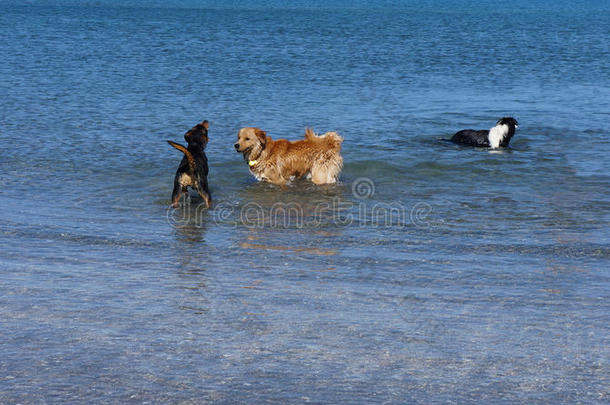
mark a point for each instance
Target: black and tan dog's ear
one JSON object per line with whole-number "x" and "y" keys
{"x": 206, "y": 124}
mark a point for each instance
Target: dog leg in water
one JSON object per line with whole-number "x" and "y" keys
{"x": 204, "y": 193}
{"x": 176, "y": 193}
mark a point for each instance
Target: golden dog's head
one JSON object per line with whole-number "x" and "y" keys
{"x": 251, "y": 142}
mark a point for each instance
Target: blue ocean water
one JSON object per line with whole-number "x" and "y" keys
{"x": 431, "y": 273}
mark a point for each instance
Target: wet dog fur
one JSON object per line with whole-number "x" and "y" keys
{"x": 193, "y": 169}
{"x": 279, "y": 161}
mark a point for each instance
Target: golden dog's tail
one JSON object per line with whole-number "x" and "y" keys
{"x": 186, "y": 152}
{"x": 333, "y": 138}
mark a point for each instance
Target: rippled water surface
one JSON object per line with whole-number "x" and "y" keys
{"x": 431, "y": 273}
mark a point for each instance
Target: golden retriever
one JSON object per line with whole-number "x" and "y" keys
{"x": 279, "y": 161}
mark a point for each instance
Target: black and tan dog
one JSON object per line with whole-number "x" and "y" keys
{"x": 193, "y": 169}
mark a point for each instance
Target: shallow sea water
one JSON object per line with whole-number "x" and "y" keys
{"x": 431, "y": 273}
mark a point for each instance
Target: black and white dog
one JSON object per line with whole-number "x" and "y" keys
{"x": 496, "y": 137}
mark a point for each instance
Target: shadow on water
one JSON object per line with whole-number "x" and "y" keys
{"x": 189, "y": 221}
